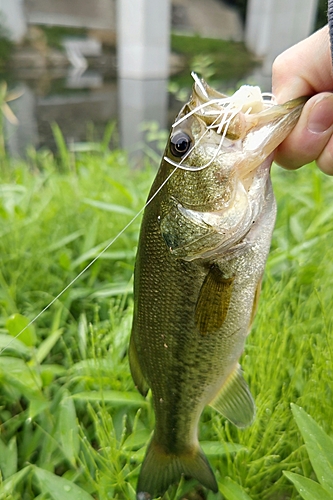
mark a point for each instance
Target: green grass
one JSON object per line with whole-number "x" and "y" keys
{"x": 72, "y": 424}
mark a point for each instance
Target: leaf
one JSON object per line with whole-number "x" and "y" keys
{"x": 318, "y": 445}
{"x": 12, "y": 345}
{"x": 64, "y": 241}
{"x": 61, "y": 145}
{"x": 85, "y": 147}
{"x": 47, "y": 344}
{"x": 117, "y": 398}
{"x": 58, "y": 487}
{"x": 8, "y": 458}
{"x": 108, "y": 207}
{"x": 82, "y": 335}
{"x": 37, "y": 405}
{"x": 124, "y": 288}
{"x": 137, "y": 440}
{"x": 308, "y": 489}
{"x": 218, "y": 449}
{"x": 108, "y": 132}
{"x": 131, "y": 492}
{"x": 17, "y": 373}
{"x": 17, "y": 325}
{"x": 232, "y": 490}
{"x": 10, "y": 484}
{"x": 67, "y": 428}
{"x": 49, "y": 372}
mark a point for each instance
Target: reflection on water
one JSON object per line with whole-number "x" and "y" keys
{"x": 140, "y": 101}
{"x": 78, "y": 99}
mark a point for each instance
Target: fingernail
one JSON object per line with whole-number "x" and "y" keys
{"x": 321, "y": 115}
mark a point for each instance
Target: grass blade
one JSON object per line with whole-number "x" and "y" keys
{"x": 10, "y": 485}
{"x": 15, "y": 346}
{"x": 47, "y": 344}
{"x": 59, "y": 488}
{"x": 8, "y": 458}
{"x": 117, "y": 398}
{"x": 67, "y": 429}
{"x": 232, "y": 490}
{"x": 319, "y": 447}
{"x": 308, "y": 489}
{"x": 218, "y": 449}
{"x": 109, "y": 207}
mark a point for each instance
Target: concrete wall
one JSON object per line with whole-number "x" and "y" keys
{"x": 13, "y": 18}
{"x": 98, "y": 14}
{"x": 274, "y": 25}
{"x": 143, "y": 33}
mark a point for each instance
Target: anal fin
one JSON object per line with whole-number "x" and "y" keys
{"x": 235, "y": 401}
{"x": 137, "y": 375}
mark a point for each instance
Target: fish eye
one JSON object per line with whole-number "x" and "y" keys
{"x": 179, "y": 144}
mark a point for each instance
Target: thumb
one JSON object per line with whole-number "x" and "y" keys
{"x": 311, "y": 139}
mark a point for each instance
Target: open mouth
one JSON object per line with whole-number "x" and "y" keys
{"x": 249, "y": 121}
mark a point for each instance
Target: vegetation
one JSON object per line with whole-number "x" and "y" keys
{"x": 6, "y": 47}
{"x": 72, "y": 424}
{"x": 221, "y": 59}
{"x": 55, "y": 34}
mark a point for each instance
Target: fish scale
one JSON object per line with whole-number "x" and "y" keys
{"x": 202, "y": 249}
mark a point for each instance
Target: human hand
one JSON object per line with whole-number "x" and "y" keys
{"x": 306, "y": 70}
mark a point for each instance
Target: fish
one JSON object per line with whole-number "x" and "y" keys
{"x": 204, "y": 240}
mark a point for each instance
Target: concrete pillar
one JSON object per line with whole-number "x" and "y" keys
{"x": 13, "y": 18}
{"x": 143, "y": 39}
{"x": 143, "y": 34}
{"x": 19, "y": 137}
{"x": 274, "y": 25}
{"x": 140, "y": 101}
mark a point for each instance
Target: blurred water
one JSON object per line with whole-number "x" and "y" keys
{"x": 82, "y": 106}
{"x": 83, "y": 103}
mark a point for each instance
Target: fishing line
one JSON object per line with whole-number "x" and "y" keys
{"x": 225, "y": 121}
{"x": 92, "y": 262}
{"x": 177, "y": 165}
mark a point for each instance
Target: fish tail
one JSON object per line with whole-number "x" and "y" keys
{"x": 159, "y": 470}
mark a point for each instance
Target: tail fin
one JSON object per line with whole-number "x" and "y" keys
{"x": 159, "y": 470}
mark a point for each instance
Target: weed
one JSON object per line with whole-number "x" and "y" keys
{"x": 72, "y": 423}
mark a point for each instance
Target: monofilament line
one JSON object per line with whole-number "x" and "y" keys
{"x": 90, "y": 263}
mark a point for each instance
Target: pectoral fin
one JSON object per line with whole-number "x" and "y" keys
{"x": 255, "y": 301}
{"x": 137, "y": 375}
{"x": 234, "y": 401}
{"x": 213, "y": 302}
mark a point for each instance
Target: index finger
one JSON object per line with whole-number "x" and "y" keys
{"x": 304, "y": 69}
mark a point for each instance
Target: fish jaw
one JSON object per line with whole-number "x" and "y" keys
{"x": 272, "y": 127}
{"x": 208, "y": 228}
{"x": 229, "y": 139}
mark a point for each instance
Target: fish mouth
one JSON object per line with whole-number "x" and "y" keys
{"x": 249, "y": 122}
{"x": 265, "y": 132}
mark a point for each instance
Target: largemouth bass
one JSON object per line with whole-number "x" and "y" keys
{"x": 204, "y": 240}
